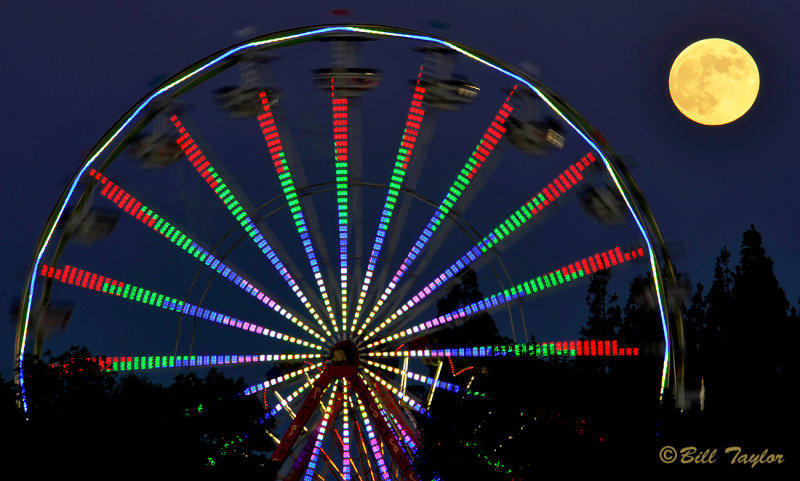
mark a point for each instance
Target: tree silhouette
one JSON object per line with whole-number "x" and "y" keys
{"x": 82, "y": 419}
{"x": 720, "y": 304}
{"x": 641, "y": 324}
{"x": 760, "y": 321}
{"x": 604, "y": 314}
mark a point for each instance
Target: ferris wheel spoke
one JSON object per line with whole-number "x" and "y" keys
{"x": 141, "y": 363}
{"x": 344, "y": 439}
{"x": 160, "y": 225}
{"x": 283, "y": 403}
{"x": 477, "y": 159}
{"x": 585, "y": 266}
{"x": 392, "y": 416}
{"x": 331, "y": 411}
{"x": 372, "y": 439}
{"x": 98, "y": 283}
{"x": 412, "y": 403}
{"x": 272, "y": 137}
{"x": 574, "y": 348}
{"x": 285, "y": 377}
{"x": 411, "y": 132}
{"x": 341, "y": 171}
{"x": 361, "y": 447}
{"x": 215, "y": 182}
{"x": 559, "y": 186}
{"x": 303, "y": 415}
{"x": 420, "y": 377}
{"x": 372, "y": 413}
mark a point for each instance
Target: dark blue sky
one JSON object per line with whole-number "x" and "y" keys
{"x": 71, "y": 71}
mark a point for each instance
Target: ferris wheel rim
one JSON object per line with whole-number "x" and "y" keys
{"x": 181, "y": 82}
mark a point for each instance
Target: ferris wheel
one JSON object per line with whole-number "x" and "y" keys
{"x": 357, "y": 173}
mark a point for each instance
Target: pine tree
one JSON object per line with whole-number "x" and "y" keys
{"x": 605, "y": 316}
{"x": 720, "y": 304}
{"x": 642, "y": 325}
{"x": 760, "y": 323}
{"x": 478, "y": 329}
{"x": 696, "y": 333}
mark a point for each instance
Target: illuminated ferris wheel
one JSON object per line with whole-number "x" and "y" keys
{"x": 357, "y": 173}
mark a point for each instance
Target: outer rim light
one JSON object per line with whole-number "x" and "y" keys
{"x": 570, "y": 117}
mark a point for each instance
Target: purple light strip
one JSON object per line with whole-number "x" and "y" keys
{"x": 418, "y": 377}
{"x": 345, "y": 432}
{"x": 312, "y": 463}
{"x": 373, "y": 441}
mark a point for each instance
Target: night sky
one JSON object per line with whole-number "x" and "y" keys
{"x": 70, "y": 72}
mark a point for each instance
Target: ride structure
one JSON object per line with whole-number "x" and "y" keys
{"x": 461, "y": 191}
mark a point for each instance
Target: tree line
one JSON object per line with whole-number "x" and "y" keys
{"x": 540, "y": 417}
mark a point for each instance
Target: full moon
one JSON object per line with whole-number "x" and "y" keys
{"x": 713, "y": 81}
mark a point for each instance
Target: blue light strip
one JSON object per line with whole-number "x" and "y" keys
{"x": 419, "y": 377}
